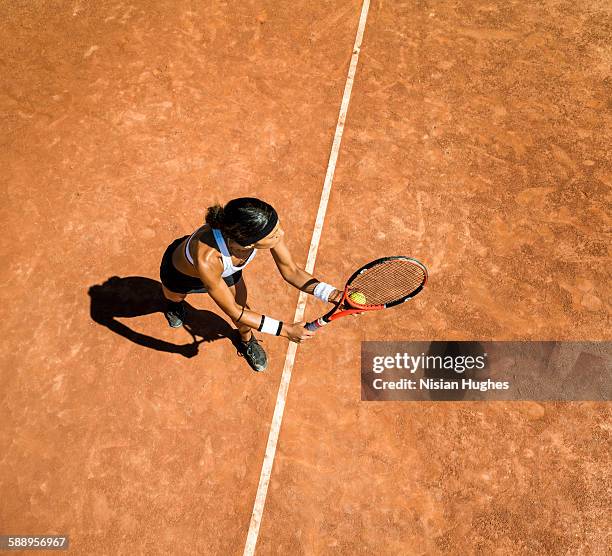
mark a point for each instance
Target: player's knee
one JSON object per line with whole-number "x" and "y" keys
{"x": 173, "y": 296}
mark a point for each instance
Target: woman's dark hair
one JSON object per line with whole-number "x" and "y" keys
{"x": 246, "y": 220}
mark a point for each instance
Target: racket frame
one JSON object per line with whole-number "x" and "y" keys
{"x": 355, "y": 308}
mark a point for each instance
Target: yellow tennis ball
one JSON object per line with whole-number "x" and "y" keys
{"x": 358, "y": 297}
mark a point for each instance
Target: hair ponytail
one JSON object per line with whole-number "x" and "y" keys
{"x": 214, "y": 216}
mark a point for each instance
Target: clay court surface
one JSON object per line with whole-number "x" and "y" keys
{"x": 477, "y": 140}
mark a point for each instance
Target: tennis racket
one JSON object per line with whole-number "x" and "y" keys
{"x": 381, "y": 284}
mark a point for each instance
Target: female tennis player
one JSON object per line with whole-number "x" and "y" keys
{"x": 211, "y": 261}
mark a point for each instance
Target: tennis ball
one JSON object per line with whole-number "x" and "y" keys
{"x": 358, "y": 297}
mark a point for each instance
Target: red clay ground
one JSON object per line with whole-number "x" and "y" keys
{"x": 476, "y": 141}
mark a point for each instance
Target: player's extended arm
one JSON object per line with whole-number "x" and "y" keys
{"x": 221, "y": 294}
{"x": 295, "y": 275}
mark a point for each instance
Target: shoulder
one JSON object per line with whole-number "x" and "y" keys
{"x": 281, "y": 249}
{"x": 207, "y": 255}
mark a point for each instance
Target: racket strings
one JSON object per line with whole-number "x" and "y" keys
{"x": 389, "y": 281}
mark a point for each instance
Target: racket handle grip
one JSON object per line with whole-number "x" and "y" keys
{"x": 315, "y": 325}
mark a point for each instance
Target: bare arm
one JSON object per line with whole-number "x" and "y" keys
{"x": 210, "y": 274}
{"x": 221, "y": 294}
{"x": 295, "y": 275}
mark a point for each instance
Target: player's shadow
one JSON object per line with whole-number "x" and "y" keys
{"x": 135, "y": 296}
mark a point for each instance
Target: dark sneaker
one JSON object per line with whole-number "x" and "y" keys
{"x": 254, "y": 354}
{"x": 175, "y": 314}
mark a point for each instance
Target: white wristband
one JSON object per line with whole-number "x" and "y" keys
{"x": 269, "y": 325}
{"x": 322, "y": 291}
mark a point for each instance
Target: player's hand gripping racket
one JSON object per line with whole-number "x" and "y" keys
{"x": 380, "y": 284}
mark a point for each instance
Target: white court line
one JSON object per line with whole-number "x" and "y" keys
{"x": 266, "y": 470}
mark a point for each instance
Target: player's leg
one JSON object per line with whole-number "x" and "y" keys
{"x": 173, "y": 296}
{"x": 175, "y": 308}
{"x": 250, "y": 348}
{"x": 175, "y": 286}
{"x": 240, "y": 295}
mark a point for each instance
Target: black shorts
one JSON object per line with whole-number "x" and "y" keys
{"x": 178, "y": 282}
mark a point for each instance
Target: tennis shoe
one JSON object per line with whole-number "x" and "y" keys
{"x": 254, "y": 354}
{"x": 176, "y": 315}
